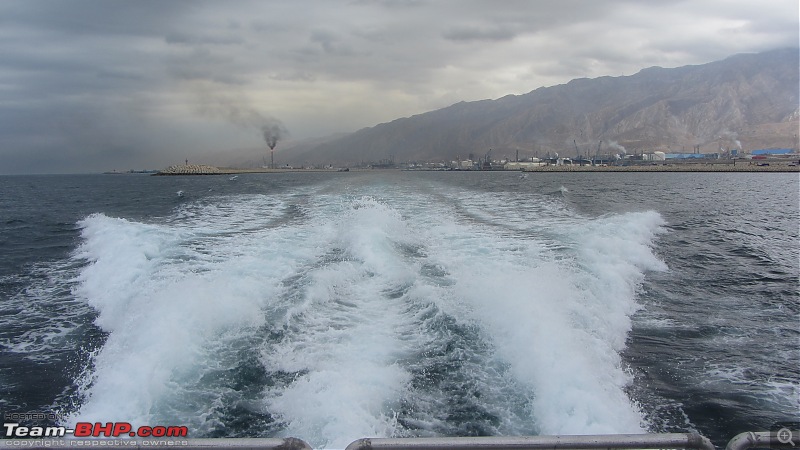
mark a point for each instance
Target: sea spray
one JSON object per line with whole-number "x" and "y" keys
{"x": 367, "y": 314}
{"x": 348, "y": 334}
{"x": 173, "y": 298}
{"x": 557, "y": 309}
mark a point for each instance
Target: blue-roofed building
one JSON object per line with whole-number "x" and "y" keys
{"x": 773, "y": 151}
{"x": 692, "y": 156}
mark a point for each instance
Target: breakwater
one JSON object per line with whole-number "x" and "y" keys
{"x": 190, "y": 169}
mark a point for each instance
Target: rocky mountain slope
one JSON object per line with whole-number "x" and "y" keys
{"x": 748, "y": 100}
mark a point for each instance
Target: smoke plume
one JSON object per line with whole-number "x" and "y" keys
{"x": 238, "y": 112}
{"x": 613, "y": 145}
{"x": 273, "y": 132}
{"x": 732, "y": 137}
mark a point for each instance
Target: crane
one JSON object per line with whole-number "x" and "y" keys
{"x": 597, "y": 153}
{"x": 487, "y": 163}
{"x": 577, "y": 152}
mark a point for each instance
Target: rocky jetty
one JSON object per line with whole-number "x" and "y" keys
{"x": 190, "y": 169}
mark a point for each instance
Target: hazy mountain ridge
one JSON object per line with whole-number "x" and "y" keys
{"x": 750, "y": 99}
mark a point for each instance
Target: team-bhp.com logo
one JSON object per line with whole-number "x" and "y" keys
{"x": 97, "y": 429}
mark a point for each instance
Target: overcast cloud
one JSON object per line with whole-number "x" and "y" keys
{"x": 100, "y": 85}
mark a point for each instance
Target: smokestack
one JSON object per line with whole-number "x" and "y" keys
{"x": 239, "y": 112}
{"x": 272, "y": 131}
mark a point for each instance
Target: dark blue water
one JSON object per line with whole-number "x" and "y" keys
{"x": 472, "y": 303}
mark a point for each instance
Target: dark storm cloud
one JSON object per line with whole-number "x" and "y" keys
{"x": 75, "y": 138}
{"x": 89, "y": 84}
{"x": 391, "y": 3}
{"x": 479, "y": 34}
{"x": 294, "y": 76}
{"x": 202, "y": 63}
{"x": 86, "y": 17}
{"x": 198, "y": 39}
{"x": 331, "y": 43}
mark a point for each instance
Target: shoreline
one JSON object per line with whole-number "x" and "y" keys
{"x": 701, "y": 167}
{"x": 779, "y": 167}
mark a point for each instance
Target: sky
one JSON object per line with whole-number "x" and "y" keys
{"x": 96, "y": 85}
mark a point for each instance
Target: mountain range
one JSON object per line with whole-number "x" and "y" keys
{"x": 746, "y": 101}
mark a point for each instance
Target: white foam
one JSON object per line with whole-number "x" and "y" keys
{"x": 559, "y": 320}
{"x": 168, "y": 295}
{"x": 546, "y": 288}
{"x": 349, "y": 335}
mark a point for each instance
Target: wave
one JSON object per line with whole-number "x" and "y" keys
{"x": 366, "y": 311}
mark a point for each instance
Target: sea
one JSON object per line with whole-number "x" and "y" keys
{"x": 342, "y": 305}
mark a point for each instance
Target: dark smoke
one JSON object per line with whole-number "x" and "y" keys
{"x": 272, "y": 133}
{"x": 239, "y": 113}
{"x": 271, "y": 128}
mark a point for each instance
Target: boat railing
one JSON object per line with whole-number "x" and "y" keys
{"x": 582, "y": 442}
{"x": 783, "y": 438}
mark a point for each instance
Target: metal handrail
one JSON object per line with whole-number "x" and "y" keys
{"x": 621, "y": 441}
{"x": 765, "y": 439}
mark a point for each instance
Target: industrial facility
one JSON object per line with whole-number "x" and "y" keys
{"x": 617, "y": 156}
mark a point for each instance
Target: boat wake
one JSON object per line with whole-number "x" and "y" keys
{"x": 336, "y": 312}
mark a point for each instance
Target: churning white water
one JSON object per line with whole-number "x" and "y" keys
{"x": 366, "y": 308}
